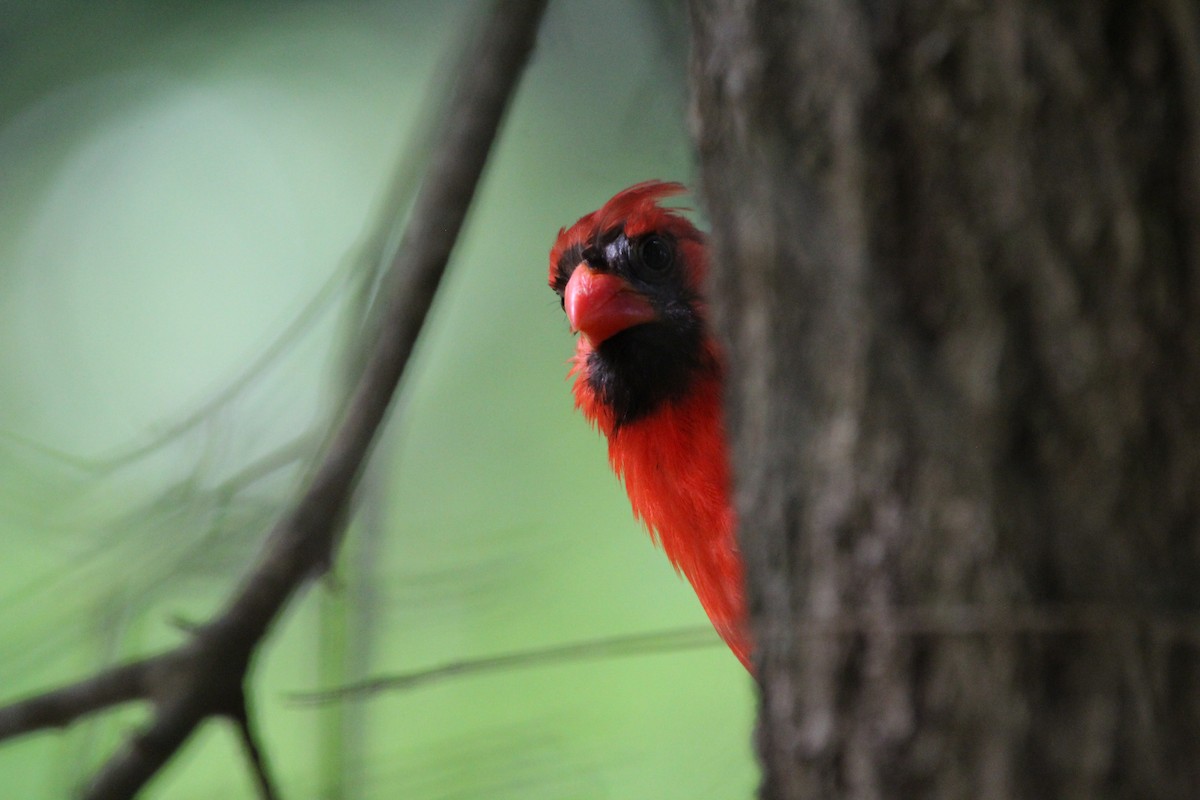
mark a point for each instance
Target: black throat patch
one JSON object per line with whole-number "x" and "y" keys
{"x": 639, "y": 370}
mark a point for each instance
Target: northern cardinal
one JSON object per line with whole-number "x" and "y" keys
{"x": 648, "y": 374}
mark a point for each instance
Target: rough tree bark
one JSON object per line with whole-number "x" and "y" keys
{"x": 957, "y": 266}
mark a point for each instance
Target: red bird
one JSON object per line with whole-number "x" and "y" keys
{"x": 648, "y": 374}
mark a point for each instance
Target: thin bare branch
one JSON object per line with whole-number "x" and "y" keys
{"x": 617, "y": 646}
{"x": 950, "y": 622}
{"x": 258, "y": 763}
{"x": 147, "y": 751}
{"x": 965, "y": 621}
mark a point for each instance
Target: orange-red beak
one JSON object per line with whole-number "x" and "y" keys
{"x": 600, "y": 305}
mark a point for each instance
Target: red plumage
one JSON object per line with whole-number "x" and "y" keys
{"x": 652, "y": 384}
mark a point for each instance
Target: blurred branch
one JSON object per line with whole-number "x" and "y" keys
{"x": 258, "y": 763}
{"x": 205, "y": 676}
{"x": 948, "y": 622}
{"x": 61, "y": 707}
{"x": 633, "y": 645}
{"x": 105, "y": 465}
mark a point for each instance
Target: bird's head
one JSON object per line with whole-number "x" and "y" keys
{"x": 630, "y": 277}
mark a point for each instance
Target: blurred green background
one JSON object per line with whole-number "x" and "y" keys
{"x": 187, "y": 195}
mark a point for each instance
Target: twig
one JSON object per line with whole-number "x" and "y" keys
{"x": 961, "y": 622}
{"x": 286, "y": 338}
{"x": 637, "y": 644}
{"x": 258, "y": 763}
{"x": 204, "y": 677}
{"x": 966, "y": 621}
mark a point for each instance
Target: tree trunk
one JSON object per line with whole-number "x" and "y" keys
{"x": 957, "y": 269}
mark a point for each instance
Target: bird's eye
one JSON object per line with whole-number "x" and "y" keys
{"x": 655, "y": 254}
